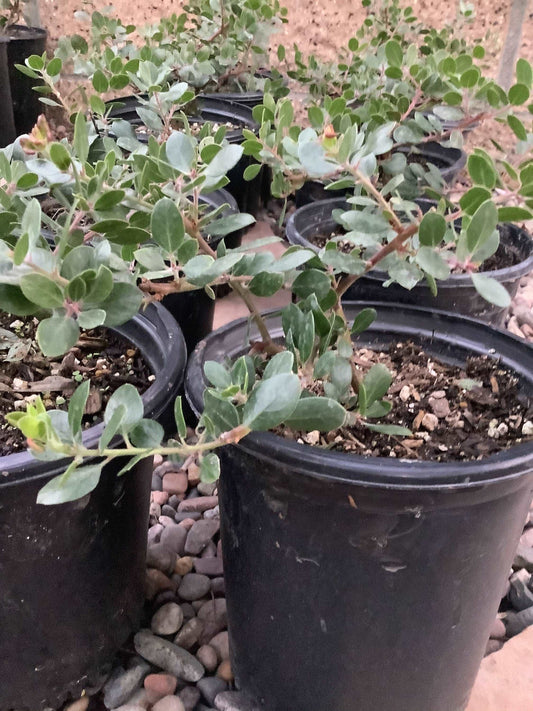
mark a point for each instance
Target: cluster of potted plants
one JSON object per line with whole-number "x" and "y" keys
{"x": 20, "y": 105}
{"x": 403, "y": 432}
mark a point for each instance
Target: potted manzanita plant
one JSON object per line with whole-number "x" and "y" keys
{"x": 394, "y": 439}
{"x": 74, "y": 219}
{"x": 434, "y": 88}
{"x": 21, "y": 41}
{"x": 158, "y": 106}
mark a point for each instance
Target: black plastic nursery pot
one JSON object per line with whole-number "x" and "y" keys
{"x": 72, "y": 576}
{"x": 23, "y": 42}
{"x": 216, "y": 111}
{"x": 367, "y": 583}
{"x": 456, "y": 294}
{"x": 7, "y": 121}
{"x": 245, "y": 98}
{"x": 195, "y": 310}
{"x": 449, "y": 161}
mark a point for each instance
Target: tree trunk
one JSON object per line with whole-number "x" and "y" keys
{"x": 512, "y": 42}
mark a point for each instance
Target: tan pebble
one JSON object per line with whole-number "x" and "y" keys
{"x": 184, "y": 565}
{"x": 207, "y": 656}
{"x": 79, "y": 705}
{"x": 224, "y": 671}
{"x": 160, "y": 497}
{"x": 193, "y": 474}
{"x": 158, "y": 459}
{"x": 430, "y": 422}
{"x": 169, "y": 703}
{"x": 528, "y": 331}
{"x": 159, "y": 685}
{"x": 187, "y": 523}
{"x": 220, "y": 644}
{"x": 156, "y": 581}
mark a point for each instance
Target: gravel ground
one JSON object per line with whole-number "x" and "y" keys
{"x": 180, "y": 659}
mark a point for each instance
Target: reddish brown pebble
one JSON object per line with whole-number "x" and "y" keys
{"x": 193, "y": 474}
{"x": 187, "y": 523}
{"x": 199, "y": 504}
{"x": 224, "y": 671}
{"x": 159, "y": 685}
{"x": 160, "y": 497}
{"x": 175, "y": 483}
{"x": 155, "y": 582}
{"x": 183, "y": 565}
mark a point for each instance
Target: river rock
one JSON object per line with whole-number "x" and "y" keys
{"x": 78, "y": 705}
{"x": 198, "y": 504}
{"x": 190, "y": 696}
{"x": 200, "y": 535}
{"x": 184, "y": 565}
{"x": 225, "y": 671}
{"x": 209, "y": 566}
{"x": 214, "y": 616}
{"x": 210, "y": 687}
{"x": 207, "y": 656}
{"x": 189, "y": 634}
{"x": 159, "y": 685}
{"x": 194, "y": 586}
{"x": 168, "y": 656}
{"x": 123, "y": 682}
{"x": 168, "y": 619}
{"x": 169, "y": 703}
{"x": 236, "y": 701}
{"x": 520, "y": 593}
{"x": 523, "y": 557}
{"x": 220, "y": 644}
{"x": 175, "y": 483}
{"x": 160, "y": 557}
{"x": 174, "y": 537}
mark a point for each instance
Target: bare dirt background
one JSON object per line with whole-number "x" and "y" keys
{"x": 318, "y": 26}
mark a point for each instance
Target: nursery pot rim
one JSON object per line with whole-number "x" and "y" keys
{"x": 514, "y": 271}
{"x": 26, "y": 32}
{"x": 154, "y": 396}
{"x": 384, "y": 472}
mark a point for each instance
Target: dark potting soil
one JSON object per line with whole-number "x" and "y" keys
{"x": 100, "y": 354}
{"x": 454, "y": 413}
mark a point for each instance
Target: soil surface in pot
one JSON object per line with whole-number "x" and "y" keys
{"x": 108, "y": 359}
{"x": 454, "y": 413}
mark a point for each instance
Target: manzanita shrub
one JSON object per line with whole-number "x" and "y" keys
{"x": 11, "y": 11}
{"x": 130, "y": 218}
{"x": 117, "y": 217}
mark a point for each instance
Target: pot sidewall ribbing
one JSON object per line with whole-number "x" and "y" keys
{"x": 72, "y": 576}
{"x": 456, "y": 294}
{"x": 7, "y": 120}
{"x": 25, "y": 41}
{"x": 367, "y": 584}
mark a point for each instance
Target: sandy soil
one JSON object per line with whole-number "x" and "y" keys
{"x": 319, "y": 26}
